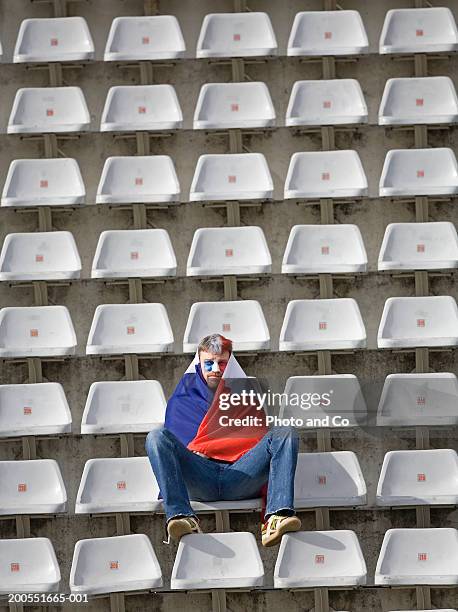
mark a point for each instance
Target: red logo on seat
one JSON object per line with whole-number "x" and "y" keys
{"x": 39, "y": 258}
{"x": 321, "y": 479}
{"x": 236, "y": 37}
{"x": 421, "y": 400}
{"x": 138, "y": 180}
{"x": 232, "y": 178}
{"x": 145, "y": 40}
{"x": 322, "y": 325}
{"x": 22, "y": 487}
{"x": 325, "y": 250}
{"x": 54, "y": 42}
{"x": 130, "y": 330}
{"x": 121, "y": 485}
{"x": 49, "y": 112}
{"x": 419, "y": 33}
{"x": 134, "y": 254}
{"x": 229, "y": 252}
{"x": 326, "y": 103}
{"x": 421, "y": 322}
{"x": 422, "y": 556}
{"x": 420, "y": 248}
{"x": 34, "y": 333}
{"x": 420, "y": 173}
{"x": 141, "y": 110}
{"x": 319, "y": 559}
{"x": 235, "y": 108}
{"x": 226, "y": 327}
{"x": 327, "y": 35}
{"x": 27, "y": 410}
{"x": 325, "y": 176}
{"x": 15, "y": 567}
{"x": 44, "y": 184}
{"x": 114, "y": 565}
{"x": 421, "y": 477}
{"x": 419, "y": 101}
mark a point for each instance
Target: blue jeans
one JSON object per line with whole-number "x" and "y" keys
{"x": 182, "y": 475}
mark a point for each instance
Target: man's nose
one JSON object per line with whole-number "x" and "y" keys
{"x": 215, "y": 367}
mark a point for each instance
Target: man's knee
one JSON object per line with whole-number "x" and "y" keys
{"x": 285, "y": 432}
{"x": 156, "y": 439}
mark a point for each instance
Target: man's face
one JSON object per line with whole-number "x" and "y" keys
{"x": 213, "y": 367}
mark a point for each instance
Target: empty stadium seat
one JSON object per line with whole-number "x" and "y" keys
{"x": 325, "y": 174}
{"x": 336, "y": 397}
{"x": 222, "y": 106}
{"x": 43, "y": 182}
{"x": 39, "y": 256}
{"x": 134, "y": 253}
{"x": 326, "y": 102}
{"x": 319, "y": 559}
{"x": 419, "y": 30}
{"x": 48, "y": 110}
{"x": 228, "y": 250}
{"x": 141, "y": 107}
{"x": 419, "y": 246}
{"x": 110, "y": 565}
{"x": 242, "y": 321}
{"x": 217, "y": 561}
{"x": 129, "y": 485}
{"x": 59, "y": 39}
{"x": 237, "y": 176}
{"x": 129, "y": 328}
{"x": 319, "y": 325}
{"x": 328, "y": 33}
{"x": 123, "y": 406}
{"x": 331, "y": 479}
{"x": 236, "y": 35}
{"x": 34, "y": 409}
{"x": 31, "y": 487}
{"x": 418, "y": 477}
{"x": 28, "y": 565}
{"x": 424, "y": 100}
{"x": 419, "y": 172}
{"x": 36, "y": 331}
{"x": 329, "y": 249}
{"x": 418, "y": 556}
{"x": 151, "y": 38}
{"x": 419, "y": 399}
{"x": 418, "y": 321}
{"x": 143, "y": 178}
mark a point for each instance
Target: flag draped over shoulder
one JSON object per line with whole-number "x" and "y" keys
{"x": 194, "y": 414}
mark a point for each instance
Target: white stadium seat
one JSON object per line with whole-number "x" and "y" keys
{"x": 43, "y": 182}
{"x": 236, "y": 176}
{"x": 123, "y": 406}
{"x": 424, "y": 100}
{"x": 34, "y": 409}
{"x": 129, "y": 328}
{"x": 222, "y": 106}
{"x": 325, "y": 174}
{"x": 326, "y": 102}
{"x": 328, "y": 33}
{"x": 28, "y": 565}
{"x": 332, "y": 479}
{"x": 236, "y": 35}
{"x": 418, "y": 557}
{"x": 336, "y": 397}
{"x": 241, "y": 321}
{"x": 418, "y": 477}
{"x": 31, "y": 487}
{"x": 328, "y": 249}
{"x": 134, "y": 253}
{"x": 59, "y": 39}
{"x": 418, "y": 322}
{"x": 111, "y": 565}
{"x": 47, "y": 110}
{"x": 419, "y": 30}
{"x": 419, "y": 172}
{"x": 150, "y": 38}
{"x": 228, "y": 250}
{"x": 39, "y": 256}
{"x": 419, "y": 246}
{"x": 419, "y": 399}
{"x": 143, "y": 178}
{"x": 323, "y": 324}
{"x": 217, "y": 561}
{"x": 130, "y": 108}
{"x": 319, "y": 559}
{"x": 36, "y": 331}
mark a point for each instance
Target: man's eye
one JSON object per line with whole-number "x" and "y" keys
{"x": 222, "y": 364}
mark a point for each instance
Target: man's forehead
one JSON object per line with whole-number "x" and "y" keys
{"x": 215, "y": 357}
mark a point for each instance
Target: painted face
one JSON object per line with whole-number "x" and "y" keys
{"x": 213, "y": 366}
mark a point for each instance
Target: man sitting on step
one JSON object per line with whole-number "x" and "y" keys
{"x": 195, "y": 457}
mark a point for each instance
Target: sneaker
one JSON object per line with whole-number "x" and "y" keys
{"x": 273, "y": 529}
{"x": 178, "y": 527}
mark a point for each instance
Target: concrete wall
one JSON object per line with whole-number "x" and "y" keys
{"x": 276, "y": 218}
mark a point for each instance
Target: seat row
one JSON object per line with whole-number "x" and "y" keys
{"x": 306, "y": 559}
{"x": 308, "y": 325}
{"x": 231, "y": 176}
{"x": 222, "y": 251}
{"x": 332, "y": 479}
{"x": 248, "y": 34}
{"x": 223, "y": 106}
{"x": 114, "y": 407}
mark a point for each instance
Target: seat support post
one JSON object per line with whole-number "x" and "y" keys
{"x": 421, "y": 209}
{"x": 328, "y": 139}
{"x": 238, "y": 70}
{"x": 327, "y": 211}
{"x": 29, "y": 447}
{"x": 123, "y": 523}
{"x": 421, "y": 282}
{"x": 146, "y": 73}
{"x": 35, "y": 373}
{"x": 423, "y": 597}
{"x": 140, "y": 219}
{"x": 324, "y": 362}
{"x": 233, "y": 213}
{"x": 55, "y": 74}
{"x": 117, "y": 602}
{"x": 151, "y": 7}
{"x": 219, "y": 600}
{"x": 40, "y": 293}
{"x": 127, "y": 444}
{"x": 131, "y": 367}
{"x": 23, "y": 526}
{"x": 50, "y": 143}
{"x": 329, "y": 67}
{"x": 326, "y": 289}
{"x": 222, "y": 521}
{"x": 44, "y": 219}
{"x": 230, "y": 287}
{"x": 135, "y": 290}
{"x": 235, "y": 141}
{"x": 423, "y": 516}
{"x": 421, "y": 360}
{"x": 322, "y": 519}
{"x": 422, "y": 437}
{"x": 321, "y": 600}
{"x": 421, "y": 136}
{"x": 421, "y": 64}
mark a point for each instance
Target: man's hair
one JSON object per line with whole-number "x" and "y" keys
{"x": 215, "y": 343}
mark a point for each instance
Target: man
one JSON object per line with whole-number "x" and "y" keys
{"x": 193, "y": 461}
